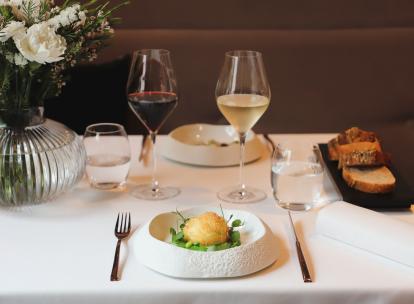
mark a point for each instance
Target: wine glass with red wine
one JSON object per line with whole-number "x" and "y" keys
{"x": 152, "y": 96}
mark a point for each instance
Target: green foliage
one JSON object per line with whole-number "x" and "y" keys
{"x": 29, "y": 8}
{"x": 6, "y": 13}
{"x": 236, "y": 223}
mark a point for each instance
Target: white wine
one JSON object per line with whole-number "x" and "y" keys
{"x": 242, "y": 111}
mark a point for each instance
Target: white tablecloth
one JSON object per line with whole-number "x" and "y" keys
{"x": 62, "y": 251}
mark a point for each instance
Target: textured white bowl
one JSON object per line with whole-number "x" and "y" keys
{"x": 152, "y": 246}
{"x": 187, "y": 144}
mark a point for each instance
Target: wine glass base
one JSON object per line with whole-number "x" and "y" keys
{"x": 145, "y": 192}
{"x": 293, "y": 206}
{"x": 239, "y": 196}
{"x": 107, "y": 186}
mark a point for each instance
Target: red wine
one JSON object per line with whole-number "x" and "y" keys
{"x": 152, "y": 108}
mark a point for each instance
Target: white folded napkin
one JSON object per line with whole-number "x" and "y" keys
{"x": 368, "y": 230}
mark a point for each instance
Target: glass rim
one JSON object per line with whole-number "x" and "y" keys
{"x": 292, "y": 152}
{"x": 243, "y": 53}
{"x": 118, "y": 127}
{"x": 162, "y": 52}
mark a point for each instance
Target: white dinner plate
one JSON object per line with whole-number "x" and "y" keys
{"x": 152, "y": 247}
{"x": 209, "y": 145}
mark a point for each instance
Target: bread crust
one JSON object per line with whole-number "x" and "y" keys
{"x": 362, "y": 160}
{"x": 332, "y": 149}
{"x": 351, "y": 178}
{"x": 356, "y": 147}
{"x": 361, "y": 154}
{"x": 356, "y": 134}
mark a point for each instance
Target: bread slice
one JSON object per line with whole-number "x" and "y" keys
{"x": 370, "y": 179}
{"x": 352, "y": 136}
{"x": 360, "y": 154}
{"x": 356, "y": 134}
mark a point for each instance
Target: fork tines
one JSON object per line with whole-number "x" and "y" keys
{"x": 125, "y": 224}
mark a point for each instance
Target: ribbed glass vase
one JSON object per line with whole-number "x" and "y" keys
{"x": 39, "y": 158}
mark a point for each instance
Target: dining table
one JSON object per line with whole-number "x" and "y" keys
{"x": 62, "y": 251}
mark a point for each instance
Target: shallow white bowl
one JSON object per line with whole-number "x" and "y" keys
{"x": 189, "y": 144}
{"x": 152, "y": 246}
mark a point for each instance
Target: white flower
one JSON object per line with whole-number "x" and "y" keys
{"x": 11, "y": 2}
{"x": 66, "y": 17}
{"x": 10, "y": 57}
{"x": 15, "y": 58}
{"x": 41, "y": 44}
{"x": 82, "y": 18}
{"x": 19, "y": 60}
{"x": 12, "y": 29}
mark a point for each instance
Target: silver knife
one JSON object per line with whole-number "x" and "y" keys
{"x": 303, "y": 266}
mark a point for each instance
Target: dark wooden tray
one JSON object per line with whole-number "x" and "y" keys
{"x": 401, "y": 197}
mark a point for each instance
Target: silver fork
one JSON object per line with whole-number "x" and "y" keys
{"x": 122, "y": 230}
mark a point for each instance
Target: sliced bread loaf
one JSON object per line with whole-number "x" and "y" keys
{"x": 352, "y": 142}
{"x": 369, "y": 179}
{"x": 360, "y": 154}
{"x": 356, "y": 134}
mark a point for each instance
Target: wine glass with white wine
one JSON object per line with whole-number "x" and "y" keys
{"x": 243, "y": 95}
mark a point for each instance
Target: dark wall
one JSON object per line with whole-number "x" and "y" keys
{"x": 331, "y": 64}
{"x": 267, "y": 14}
{"x": 321, "y": 81}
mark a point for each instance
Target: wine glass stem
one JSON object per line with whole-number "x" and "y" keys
{"x": 154, "y": 183}
{"x": 242, "y": 137}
